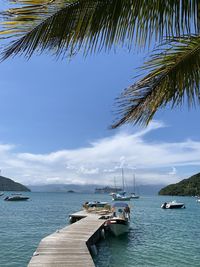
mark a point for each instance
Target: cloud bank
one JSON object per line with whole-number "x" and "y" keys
{"x": 101, "y": 161}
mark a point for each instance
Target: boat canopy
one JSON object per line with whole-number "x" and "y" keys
{"x": 120, "y": 204}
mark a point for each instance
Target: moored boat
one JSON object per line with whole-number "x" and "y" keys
{"x": 16, "y": 198}
{"x": 172, "y": 205}
{"x": 95, "y": 204}
{"x": 119, "y": 222}
{"x": 134, "y": 196}
{"x": 121, "y": 197}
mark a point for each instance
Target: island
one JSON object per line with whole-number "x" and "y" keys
{"x": 186, "y": 187}
{"x": 107, "y": 189}
{"x": 70, "y": 191}
{"x": 7, "y": 184}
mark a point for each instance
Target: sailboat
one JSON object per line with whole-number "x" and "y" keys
{"x": 122, "y": 195}
{"x": 133, "y": 195}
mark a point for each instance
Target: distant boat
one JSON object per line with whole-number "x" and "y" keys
{"x": 172, "y": 205}
{"x": 133, "y": 195}
{"x": 121, "y": 196}
{"x": 1, "y": 194}
{"x": 198, "y": 200}
{"x": 120, "y": 221}
{"x": 95, "y": 204}
{"x": 16, "y": 198}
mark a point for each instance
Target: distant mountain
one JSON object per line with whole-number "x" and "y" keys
{"x": 63, "y": 188}
{"x": 186, "y": 187}
{"x": 7, "y": 184}
{"x": 149, "y": 190}
{"x": 107, "y": 190}
{"x": 141, "y": 190}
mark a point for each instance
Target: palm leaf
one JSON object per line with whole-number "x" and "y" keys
{"x": 174, "y": 76}
{"x": 67, "y": 26}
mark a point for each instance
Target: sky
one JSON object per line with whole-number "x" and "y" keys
{"x": 55, "y": 117}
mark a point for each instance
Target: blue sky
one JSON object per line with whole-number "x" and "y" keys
{"x": 54, "y": 119}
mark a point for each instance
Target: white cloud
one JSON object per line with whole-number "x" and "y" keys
{"x": 101, "y": 161}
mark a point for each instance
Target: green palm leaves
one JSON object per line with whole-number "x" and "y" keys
{"x": 65, "y": 27}
{"x": 174, "y": 74}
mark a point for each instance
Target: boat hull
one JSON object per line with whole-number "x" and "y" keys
{"x": 118, "y": 226}
{"x": 16, "y": 198}
{"x": 173, "y": 205}
{"x": 135, "y": 197}
{"x": 121, "y": 198}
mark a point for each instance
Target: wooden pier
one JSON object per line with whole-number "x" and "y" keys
{"x": 70, "y": 246}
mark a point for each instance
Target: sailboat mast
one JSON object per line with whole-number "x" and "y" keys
{"x": 115, "y": 183}
{"x": 123, "y": 178}
{"x": 134, "y": 182}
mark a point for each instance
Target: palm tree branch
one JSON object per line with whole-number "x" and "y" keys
{"x": 174, "y": 75}
{"x": 63, "y": 25}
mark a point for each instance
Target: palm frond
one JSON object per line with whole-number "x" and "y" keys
{"x": 174, "y": 75}
{"x": 68, "y": 26}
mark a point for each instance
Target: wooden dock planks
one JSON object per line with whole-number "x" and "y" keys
{"x": 68, "y": 246}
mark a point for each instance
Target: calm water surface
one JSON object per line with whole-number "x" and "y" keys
{"x": 157, "y": 237}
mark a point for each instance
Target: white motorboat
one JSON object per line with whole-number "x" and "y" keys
{"x": 172, "y": 205}
{"x": 1, "y": 194}
{"x": 16, "y": 198}
{"x": 198, "y": 200}
{"x": 119, "y": 222}
{"x": 95, "y": 204}
{"x": 134, "y": 196}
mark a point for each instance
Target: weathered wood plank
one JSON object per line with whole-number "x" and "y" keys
{"x": 68, "y": 246}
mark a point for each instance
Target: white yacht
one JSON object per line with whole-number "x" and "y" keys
{"x": 119, "y": 222}
{"x": 172, "y": 205}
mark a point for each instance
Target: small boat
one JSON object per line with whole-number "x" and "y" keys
{"x": 1, "y": 194}
{"x": 119, "y": 222}
{"x": 172, "y": 205}
{"x": 16, "y": 198}
{"x": 95, "y": 204}
{"x": 121, "y": 197}
{"x": 198, "y": 200}
{"x": 134, "y": 196}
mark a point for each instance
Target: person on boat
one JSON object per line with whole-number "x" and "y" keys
{"x": 114, "y": 212}
{"x": 127, "y": 211}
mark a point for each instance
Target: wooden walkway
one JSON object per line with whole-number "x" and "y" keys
{"x": 69, "y": 246}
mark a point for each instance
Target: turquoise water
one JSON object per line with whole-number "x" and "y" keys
{"x": 157, "y": 237}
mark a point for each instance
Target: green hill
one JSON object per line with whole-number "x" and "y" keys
{"x": 7, "y": 184}
{"x": 186, "y": 187}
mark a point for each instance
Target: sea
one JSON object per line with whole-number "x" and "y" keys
{"x": 157, "y": 237}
